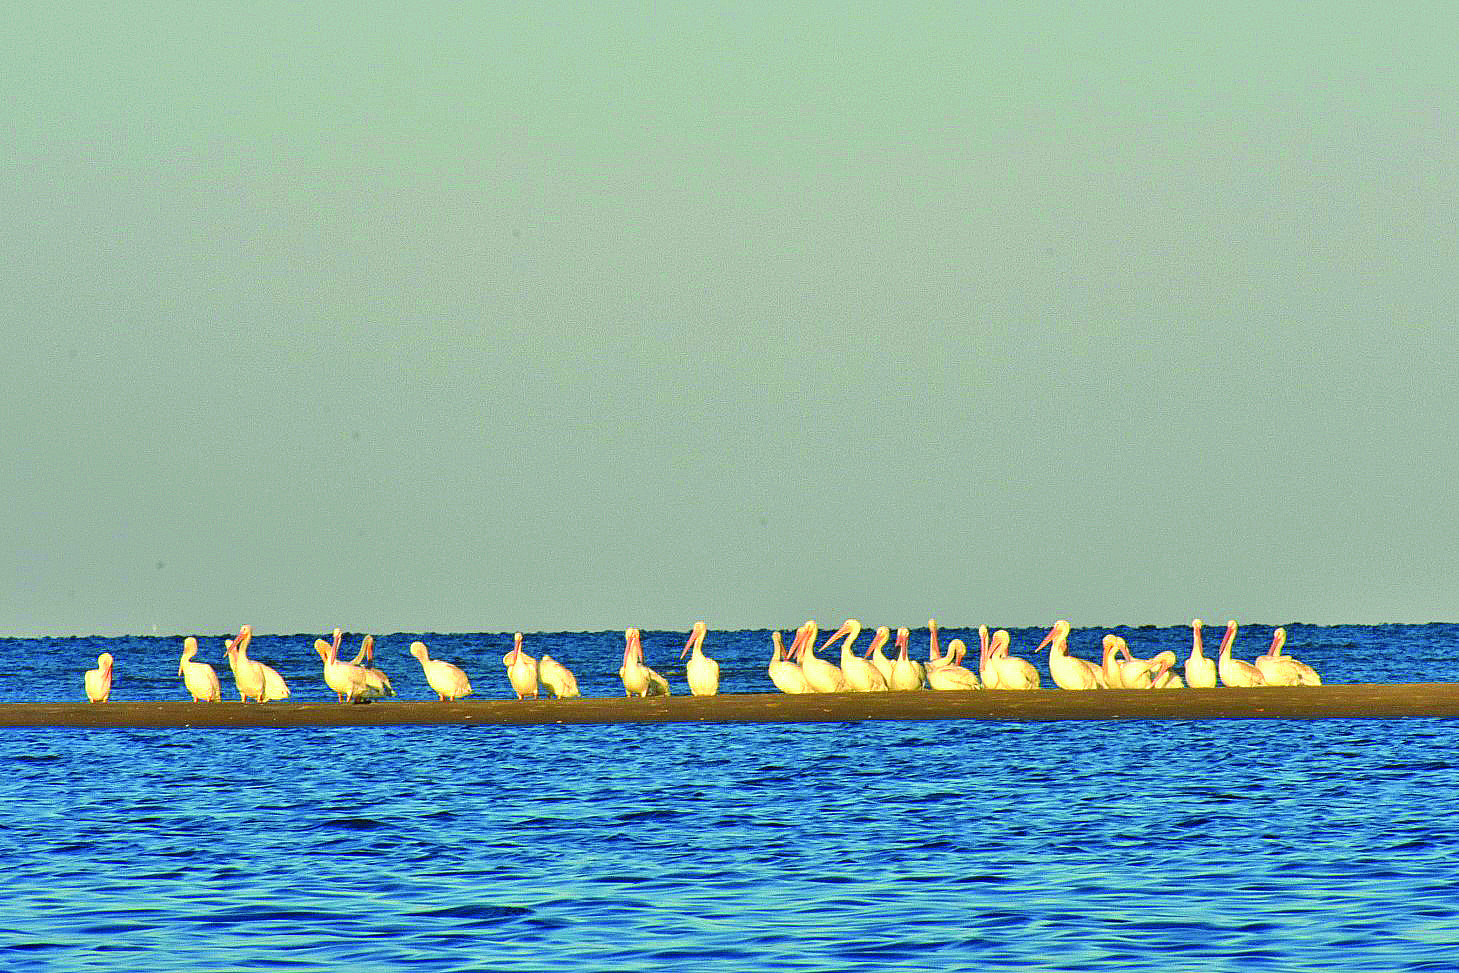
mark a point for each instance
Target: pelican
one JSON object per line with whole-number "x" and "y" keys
{"x": 199, "y": 678}
{"x": 823, "y": 676}
{"x": 1068, "y": 671}
{"x": 522, "y": 670}
{"x": 860, "y": 675}
{"x": 986, "y": 672}
{"x": 376, "y": 682}
{"x": 878, "y": 657}
{"x": 702, "y": 672}
{"x": 1113, "y": 669}
{"x": 1283, "y": 670}
{"x": 951, "y": 675}
{"x": 935, "y": 657}
{"x": 247, "y": 674}
{"x": 348, "y": 680}
{"x": 1161, "y": 667}
{"x": 1200, "y": 672}
{"x": 907, "y": 672}
{"x": 557, "y": 677}
{"x": 784, "y": 673}
{"x": 1012, "y": 672}
{"x": 446, "y": 681}
{"x": 639, "y": 679}
{"x": 1235, "y": 672}
{"x": 98, "y": 680}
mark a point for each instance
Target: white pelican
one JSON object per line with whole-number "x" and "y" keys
{"x": 638, "y": 678}
{"x": 1012, "y": 672}
{"x": 878, "y": 657}
{"x": 785, "y": 674}
{"x": 935, "y": 657}
{"x": 860, "y": 675}
{"x": 98, "y": 680}
{"x": 907, "y": 672}
{"x": 521, "y": 670}
{"x": 1235, "y": 672}
{"x": 557, "y": 677}
{"x": 377, "y": 684}
{"x": 247, "y": 674}
{"x": 199, "y": 678}
{"x": 823, "y": 676}
{"x": 951, "y": 675}
{"x": 273, "y": 687}
{"x": 1283, "y": 670}
{"x": 1113, "y": 666}
{"x": 1069, "y": 672}
{"x": 702, "y": 672}
{"x": 1200, "y": 672}
{"x": 1161, "y": 667}
{"x": 348, "y": 680}
{"x": 986, "y": 672}
{"x": 446, "y": 681}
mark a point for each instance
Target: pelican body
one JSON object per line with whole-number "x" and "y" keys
{"x": 1200, "y": 671}
{"x": 1011, "y": 672}
{"x": 446, "y": 681}
{"x": 1283, "y": 670}
{"x": 823, "y": 676}
{"x": 638, "y": 678}
{"x": 557, "y": 678}
{"x": 784, "y": 673}
{"x": 1235, "y": 672}
{"x": 521, "y": 670}
{"x": 907, "y": 672}
{"x": 860, "y": 675}
{"x": 349, "y": 681}
{"x": 377, "y": 684}
{"x": 1068, "y": 671}
{"x": 248, "y": 674}
{"x": 199, "y": 678}
{"x": 98, "y": 680}
{"x": 702, "y": 672}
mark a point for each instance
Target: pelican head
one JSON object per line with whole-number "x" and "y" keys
{"x": 1058, "y": 634}
{"x": 696, "y": 638}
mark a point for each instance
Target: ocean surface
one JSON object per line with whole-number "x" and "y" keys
{"x": 1217, "y": 845}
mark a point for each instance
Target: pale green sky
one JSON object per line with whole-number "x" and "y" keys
{"x": 560, "y": 317}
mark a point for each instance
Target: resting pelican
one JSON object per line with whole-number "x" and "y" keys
{"x": 1013, "y": 672}
{"x": 638, "y": 678}
{"x": 878, "y": 657}
{"x": 1112, "y": 667}
{"x": 1160, "y": 666}
{"x": 447, "y": 681}
{"x": 702, "y": 672}
{"x": 1283, "y": 670}
{"x": 935, "y": 657}
{"x": 986, "y": 672}
{"x": 785, "y": 674}
{"x": 1200, "y": 672}
{"x": 861, "y": 676}
{"x": 98, "y": 680}
{"x": 348, "y": 680}
{"x": 907, "y": 672}
{"x": 376, "y": 682}
{"x": 1235, "y": 672}
{"x": 247, "y": 674}
{"x": 557, "y": 677}
{"x": 1069, "y": 672}
{"x": 199, "y": 678}
{"x": 823, "y": 676}
{"x": 521, "y": 670}
{"x": 951, "y": 675}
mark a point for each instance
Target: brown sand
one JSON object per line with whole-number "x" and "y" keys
{"x": 1371, "y": 701}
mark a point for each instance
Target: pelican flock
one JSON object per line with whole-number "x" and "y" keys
{"x": 794, "y": 670}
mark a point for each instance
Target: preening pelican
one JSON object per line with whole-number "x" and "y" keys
{"x": 823, "y": 676}
{"x": 557, "y": 677}
{"x": 907, "y": 672}
{"x": 1200, "y": 672}
{"x": 348, "y": 680}
{"x": 98, "y": 680}
{"x": 377, "y": 684}
{"x": 986, "y": 672}
{"x": 521, "y": 670}
{"x": 860, "y": 675}
{"x": 1113, "y": 666}
{"x": 1161, "y": 667}
{"x": 447, "y": 681}
{"x": 1283, "y": 670}
{"x": 247, "y": 674}
{"x": 1235, "y": 672}
{"x": 950, "y": 675}
{"x": 935, "y": 657}
{"x": 638, "y": 678}
{"x": 199, "y": 678}
{"x": 1069, "y": 672}
{"x": 1013, "y": 672}
{"x": 784, "y": 673}
{"x": 702, "y": 672}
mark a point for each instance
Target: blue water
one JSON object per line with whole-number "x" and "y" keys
{"x": 1218, "y": 845}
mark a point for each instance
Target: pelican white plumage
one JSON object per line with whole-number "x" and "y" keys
{"x": 935, "y": 658}
{"x": 907, "y": 672}
{"x": 878, "y": 657}
{"x": 98, "y": 680}
{"x": 638, "y": 678}
{"x": 348, "y": 680}
{"x": 273, "y": 686}
{"x": 447, "y": 681}
{"x": 1012, "y": 672}
{"x": 860, "y": 675}
{"x": 247, "y": 673}
{"x": 1112, "y": 664}
{"x": 1283, "y": 670}
{"x": 702, "y": 672}
{"x": 1200, "y": 671}
{"x": 1235, "y": 672}
{"x": 950, "y": 675}
{"x": 986, "y": 672}
{"x": 823, "y": 676}
{"x": 557, "y": 677}
{"x": 199, "y": 678}
{"x": 784, "y": 673}
{"x": 377, "y": 684}
{"x": 521, "y": 670}
{"x": 1161, "y": 667}
{"x": 1068, "y": 671}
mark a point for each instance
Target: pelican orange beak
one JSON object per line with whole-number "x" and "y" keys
{"x": 696, "y": 636}
{"x": 877, "y": 641}
{"x": 902, "y": 636}
{"x": 1230, "y": 635}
